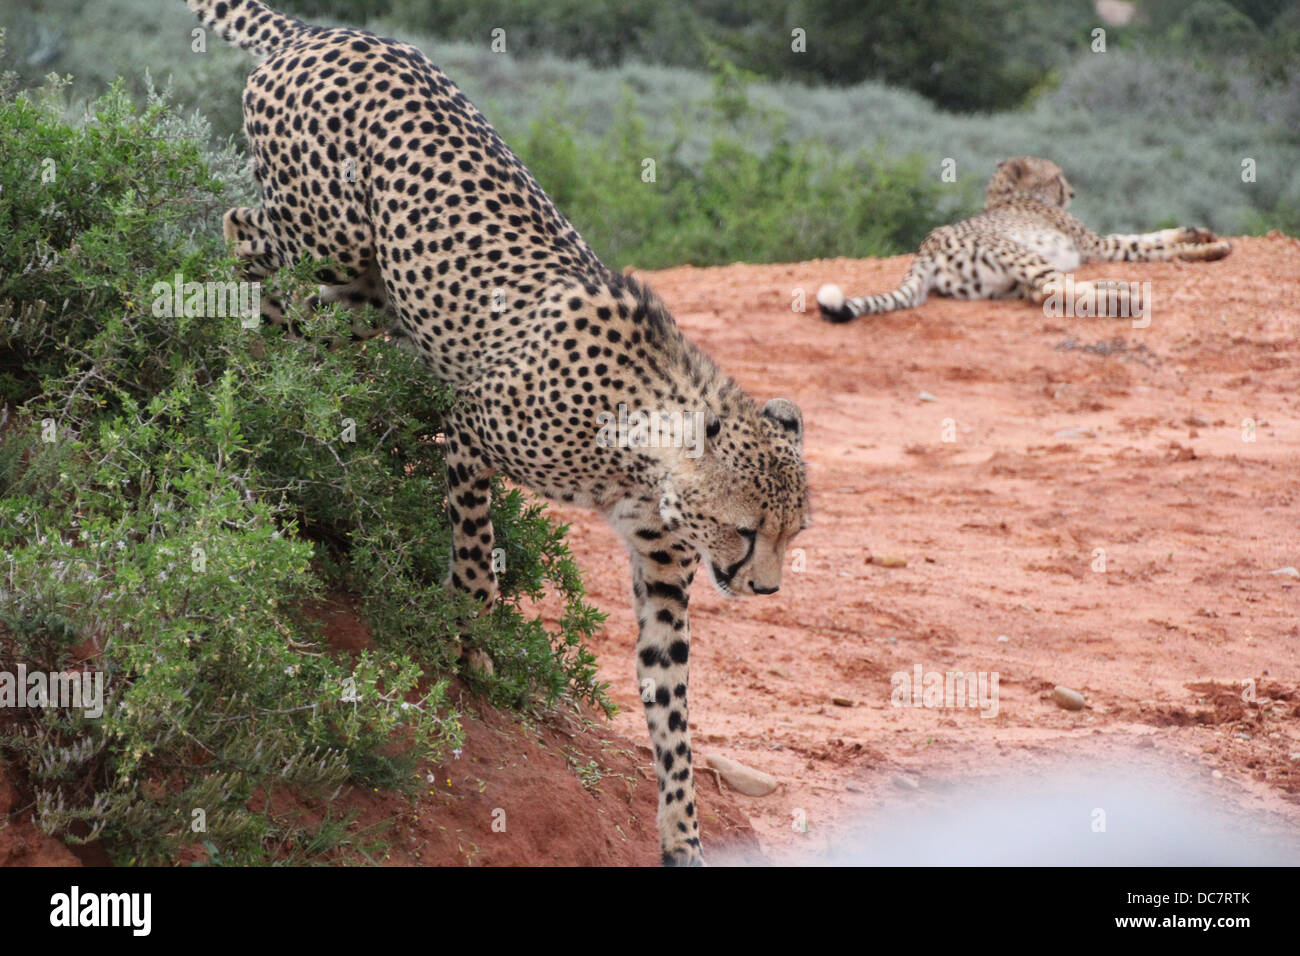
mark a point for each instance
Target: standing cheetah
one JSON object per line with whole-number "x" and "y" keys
{"x": 369, "y": 156}
{"x": 1021, "y": 245}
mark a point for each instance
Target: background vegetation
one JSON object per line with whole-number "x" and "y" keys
{"x": 1151, "y": 132}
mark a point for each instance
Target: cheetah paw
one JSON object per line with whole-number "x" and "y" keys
{"x": 1194, "y": 236}
{"x": 683, "y": 856}
{"x": 477, "y": 662}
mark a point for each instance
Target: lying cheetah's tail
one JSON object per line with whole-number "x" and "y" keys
{"x": 911, "y": 292}
{"x": 250, "y": 24}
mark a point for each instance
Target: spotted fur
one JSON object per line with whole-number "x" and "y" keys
{"x": 368, "y": 155}
{"x": 1021, "y": 245}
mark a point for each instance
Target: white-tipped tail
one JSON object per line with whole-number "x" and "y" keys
{"x": 837, "y": 308}
{"x": 830, "y": 298}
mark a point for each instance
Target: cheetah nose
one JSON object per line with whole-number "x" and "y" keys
{"x": 757, "y": 590}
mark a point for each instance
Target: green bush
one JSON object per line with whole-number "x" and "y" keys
{"x": 177, "y": 490}
{"x": 640, "y": 202}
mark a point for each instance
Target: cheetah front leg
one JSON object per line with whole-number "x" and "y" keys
{"x": 1199, "y": 245}
{"x": 663, "y": 567}
{"x": 469, "y": 503}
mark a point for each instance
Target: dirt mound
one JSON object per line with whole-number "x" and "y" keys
{"x": 21, "y": 842}
{"x": 559, "y": 790}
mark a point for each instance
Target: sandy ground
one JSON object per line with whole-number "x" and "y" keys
{"x": 1084, "y": 503}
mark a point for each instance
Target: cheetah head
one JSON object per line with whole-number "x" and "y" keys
{"x": 1029, "y": 175}
{"x": 742, "y": 499}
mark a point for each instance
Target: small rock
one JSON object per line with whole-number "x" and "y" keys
{"x": 927, "y": 397}
{"x": 747, "y": 780}
{"x": 1068, "y": 699}
{"x": 1076, "y": 433}
{"x": 841, "y": 702}
{"x": 1217, "y": 774}
{"x": 1288, "y": 571}
{"x": 1242, "y": 736}
{"x": 889, "y": 561}
{"x": 1003, "y": 639}
{"x": 906, "y": 782}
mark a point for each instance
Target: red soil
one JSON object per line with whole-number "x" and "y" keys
{"x": 999, "y": 529}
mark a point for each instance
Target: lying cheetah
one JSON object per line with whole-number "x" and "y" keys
{"x": 1021, "y": 245}
{"x": 368, "y": 155}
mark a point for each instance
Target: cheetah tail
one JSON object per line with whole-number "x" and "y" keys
{"x": 249, "y": 24}
{"x": 911, "y": 292}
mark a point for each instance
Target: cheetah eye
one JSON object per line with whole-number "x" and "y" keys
{"x": 747, "y": 533}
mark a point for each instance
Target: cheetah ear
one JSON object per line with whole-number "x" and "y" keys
{"x": 786, "y": 414}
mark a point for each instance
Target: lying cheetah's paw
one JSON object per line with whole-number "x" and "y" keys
{"x": 1193, "y": 236}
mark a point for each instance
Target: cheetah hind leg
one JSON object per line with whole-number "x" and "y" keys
{"x": 258, "y": 252}
{"x": 469, "y": 502}
{"x": 1096, "y": 298}
{"x": 261, "y": 255}
{"x": 367, "y": 289}
{"x": 1113, "y": 298}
